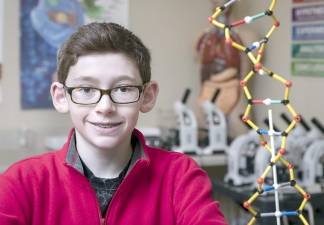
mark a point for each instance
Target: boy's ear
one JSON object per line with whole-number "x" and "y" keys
{"x": 149, "y": 96}
{"x": 59, "y": 98}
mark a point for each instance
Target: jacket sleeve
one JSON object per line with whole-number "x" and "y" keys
{"x": 11, "y": 212}
{"x": 192, "y": 200}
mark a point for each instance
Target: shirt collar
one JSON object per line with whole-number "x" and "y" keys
{"x": 73, "y": 159}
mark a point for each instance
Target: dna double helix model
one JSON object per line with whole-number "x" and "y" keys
{"x": 255, "y": 53}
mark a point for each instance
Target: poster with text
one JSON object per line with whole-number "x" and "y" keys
{"x": 44, "y": 26}
{"x": 307, "y": 48}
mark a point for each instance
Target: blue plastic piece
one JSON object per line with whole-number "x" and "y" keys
{"x": 252, "y": 47}
{"x": 262, "y": 131}
{"x": 268, "y": 188}
{"x": 289, "y": 213}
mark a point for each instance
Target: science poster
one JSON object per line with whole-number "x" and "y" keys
{"x": 44, "y": 26}
{"x": 307, "y": 50}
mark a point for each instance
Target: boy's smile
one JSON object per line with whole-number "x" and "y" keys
{"x": 106, "y": 128}
{"x": 104, "y": 125}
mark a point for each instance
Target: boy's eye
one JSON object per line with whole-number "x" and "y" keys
{"x": 85, "y": 90}
{"x": 124, "y": 89}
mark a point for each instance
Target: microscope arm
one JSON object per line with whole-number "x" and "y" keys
{"x": 318, "y": 124}
{"x": 302, "y": 121}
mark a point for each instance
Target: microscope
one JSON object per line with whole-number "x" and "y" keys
{"x": 216, "y": 127}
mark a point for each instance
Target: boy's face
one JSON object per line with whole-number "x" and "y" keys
{"x": 105, "y": 124}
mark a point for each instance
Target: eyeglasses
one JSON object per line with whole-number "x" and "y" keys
{"x": 120, "y": 95}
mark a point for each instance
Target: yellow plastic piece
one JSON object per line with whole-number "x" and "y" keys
{"x": 252, "y": 221}
{"x": 252, "y": 58}
{"x": 279, "y": 78}
{"x": 251, "y": 124}
{"x": 271, "y": 31}
{"x": 287, "y": 90}
{"x": 291, "y": 110}
{"x": 219, "y": 25}
{"x": 302, "y": 218}
{"x": 247, "y": 93}
{"x": 266, "y": 172}
{"x": 291, "y": 174}
{"x": 247, "y": 110}
{"x": 302, "y": 205}
{"x": 291, "y": 126}
{"x": 249, "y": 76}
{"x": 238, "y": 46}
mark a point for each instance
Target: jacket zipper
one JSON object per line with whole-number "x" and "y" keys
{"x": 118, "y": 190}
{"x": 101, "y": 220}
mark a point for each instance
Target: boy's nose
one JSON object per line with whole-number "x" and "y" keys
{"x": 105, "y": 105}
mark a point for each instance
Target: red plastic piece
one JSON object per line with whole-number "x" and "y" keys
{"x": 245, "y": 119}
{"x": 246, "y": 205}
{"x": 228, "y": 41}
{"x": 282, "y": 151}
{"x": 307, "y": 196}
{"x": 257, "y": 66}
{"x": 260, "y": 180}
{"x": 288, "y": 83}
{"x": 297, "y": 118}
{"x": 237, "y": 23}
{"x": 257, "y": 101}
{"x": 242, "y": 83}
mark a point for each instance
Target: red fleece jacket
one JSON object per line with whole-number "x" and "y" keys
{"x": 163, "y": 187}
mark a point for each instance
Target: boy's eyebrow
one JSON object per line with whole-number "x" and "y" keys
{"x": 124, "y": 78}
{"x": 84, "y": 78}
{"x": 115, "y": 80}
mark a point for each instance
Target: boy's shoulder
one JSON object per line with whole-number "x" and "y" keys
{"x": 41, "y": 162}
{"x": 160, "y": 156}
{"x": 32, "y": 165}
{"x": 168, "y": 154}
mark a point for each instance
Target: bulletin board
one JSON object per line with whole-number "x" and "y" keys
{"x": 44, "y": 26}
{"x": 307, "y": 50}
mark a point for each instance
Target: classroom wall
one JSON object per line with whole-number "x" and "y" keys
{"x": 170, "y": 29}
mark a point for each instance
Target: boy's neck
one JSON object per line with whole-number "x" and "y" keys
{"x": 103, "y": 163}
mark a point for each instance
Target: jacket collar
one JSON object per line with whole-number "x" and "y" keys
{"x": 71, "y": 157}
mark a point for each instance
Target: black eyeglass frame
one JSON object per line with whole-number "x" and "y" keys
{"x": 107, "y": 92}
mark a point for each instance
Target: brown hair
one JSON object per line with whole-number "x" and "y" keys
{"x": 103, "y": 37}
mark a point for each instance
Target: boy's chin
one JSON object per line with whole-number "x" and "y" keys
{"x": 106, "y": 145}
{"x": 104, "y": 141}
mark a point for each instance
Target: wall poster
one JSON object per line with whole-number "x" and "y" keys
{"x": 44, "y": 25}
{"x": 307, "y": 49}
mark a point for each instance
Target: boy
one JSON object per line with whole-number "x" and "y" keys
{"x": 105, "y": 174}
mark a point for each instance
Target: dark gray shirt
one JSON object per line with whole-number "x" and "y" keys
{"x": 104, "y": 188}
